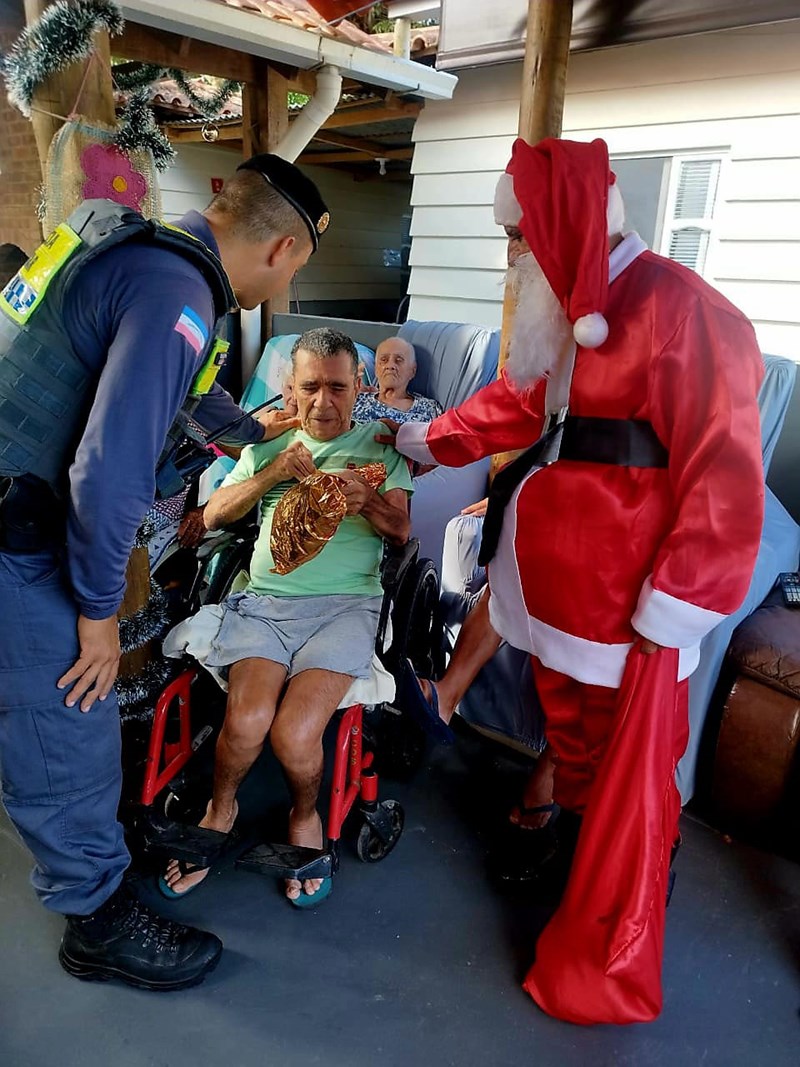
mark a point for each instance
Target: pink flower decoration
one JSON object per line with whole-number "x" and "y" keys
{"x": 110, "y": 176}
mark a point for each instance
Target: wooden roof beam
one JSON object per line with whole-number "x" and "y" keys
{"x": 354, "y": 144}
{"x": 146, "y": 45}
{"x": 364, "y": 116}
{"x": 322, "y": 159}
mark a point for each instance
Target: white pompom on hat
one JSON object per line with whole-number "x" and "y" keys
{"x": 563, "y": 196}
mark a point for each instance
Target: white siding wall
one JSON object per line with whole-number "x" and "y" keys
{"x": 366, "y": 218}
{"x": 737, "y": 92}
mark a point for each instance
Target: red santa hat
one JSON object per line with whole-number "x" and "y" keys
{"x": 557, "y": 193}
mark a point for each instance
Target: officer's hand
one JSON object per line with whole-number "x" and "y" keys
{"x": 294, "y": 462}
{"x": 357, "y": 491}
{"x": 96, "y": 670}
{"x": 276, "y": 422}
{"x": 388, "y": 438}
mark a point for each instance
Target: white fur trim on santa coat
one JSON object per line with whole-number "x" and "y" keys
{"x": 630, "y": 247}
{"x": 591, "y": 662}
{"x": 507, "y": 211}
{"x": 671, "y": 622}
{"x": 410, "y": 442}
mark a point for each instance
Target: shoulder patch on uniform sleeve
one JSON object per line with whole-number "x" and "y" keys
{"x": 191, "y": 327}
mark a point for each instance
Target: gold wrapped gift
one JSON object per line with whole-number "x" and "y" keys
{"x": 308, "y": 515}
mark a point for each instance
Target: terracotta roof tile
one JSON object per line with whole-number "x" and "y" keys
{"x": 302, "y": 15}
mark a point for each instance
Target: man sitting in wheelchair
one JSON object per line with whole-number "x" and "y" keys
{"x": 293, "y": 643}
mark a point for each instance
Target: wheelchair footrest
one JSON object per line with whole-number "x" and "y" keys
{"x": 180, "y": 841}
{"x": 287, "y": 861}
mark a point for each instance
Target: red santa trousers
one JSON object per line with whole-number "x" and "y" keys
{"x": 599, "y": 958}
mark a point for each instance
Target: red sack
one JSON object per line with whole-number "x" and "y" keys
{"x": 599, "y": 958}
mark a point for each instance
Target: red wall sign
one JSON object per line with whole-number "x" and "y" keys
{"x": 216, "y": 185}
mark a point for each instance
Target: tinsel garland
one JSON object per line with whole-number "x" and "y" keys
{"x": 136, "y": 75}
{"x": 211, "y": 106}
{"x": 140, "y": 75}
{"x": 146, "y": 624}
{"x": 144, "y": 688}
{"x": 138, "y": 130}
{"x": 62, "y": 36}
{"x": 145, "y": 533}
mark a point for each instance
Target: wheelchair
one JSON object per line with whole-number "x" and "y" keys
{"x": 369, "y": 742}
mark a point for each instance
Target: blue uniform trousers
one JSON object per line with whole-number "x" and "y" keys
{"x": 60, "y": 768}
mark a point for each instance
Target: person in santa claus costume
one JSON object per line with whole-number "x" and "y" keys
{"x": 625, "y": 532}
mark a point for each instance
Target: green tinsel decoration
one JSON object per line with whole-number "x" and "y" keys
{"x": 211, "y": 107}
{"x": 62, "y": 36}
{"x": 143, "y": 689}
{"x": 146, "y": 624}
{"x": 136, "y": 75}
{"x": 138, "y": 130}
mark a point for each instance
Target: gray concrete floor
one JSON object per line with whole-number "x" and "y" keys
{"x": 416, "y": 960}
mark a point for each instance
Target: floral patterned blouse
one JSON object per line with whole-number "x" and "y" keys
{"x": 368, "y": 408}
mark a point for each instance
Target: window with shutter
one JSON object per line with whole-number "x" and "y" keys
{"x": 690, "y": 209}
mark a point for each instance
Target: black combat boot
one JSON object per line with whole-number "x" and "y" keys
{"x": 124, "y": 939}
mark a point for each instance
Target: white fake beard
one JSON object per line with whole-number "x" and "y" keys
{"x": 541, "y": 330}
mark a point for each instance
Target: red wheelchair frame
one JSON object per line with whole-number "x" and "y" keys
{"x": 353, "y": 774}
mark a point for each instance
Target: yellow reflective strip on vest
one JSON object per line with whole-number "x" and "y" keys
{"x": 24, "y": 292}
{"x": 207, "y": 374}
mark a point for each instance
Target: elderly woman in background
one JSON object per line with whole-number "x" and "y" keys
{"x": 395, "y": 366}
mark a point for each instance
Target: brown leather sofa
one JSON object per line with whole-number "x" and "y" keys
{"x": 754, "y": 786}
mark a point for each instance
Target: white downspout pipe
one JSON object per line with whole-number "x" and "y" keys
{"x": 314, "y": 115}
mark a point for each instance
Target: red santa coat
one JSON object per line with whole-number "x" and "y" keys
{"x": 591, "y": 554}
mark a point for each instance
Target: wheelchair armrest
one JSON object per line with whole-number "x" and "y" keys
{"x": 396, "y": 561}
{"x": 241, "y": 531}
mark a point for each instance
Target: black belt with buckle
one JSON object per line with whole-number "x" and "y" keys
{"x": 618, "y": 442}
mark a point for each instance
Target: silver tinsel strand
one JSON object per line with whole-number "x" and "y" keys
{"x": 138, "y": 130}
{"x": 146, "y": 624}
{"x": 62, "y": 36}
{"x": 143, "y": 689}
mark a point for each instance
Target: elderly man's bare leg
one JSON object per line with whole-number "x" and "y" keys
{"x": 308, "y": 706}
{"x": 253, "y": 691}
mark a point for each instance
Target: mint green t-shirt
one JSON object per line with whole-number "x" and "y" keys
{"x": 350, "y": 562}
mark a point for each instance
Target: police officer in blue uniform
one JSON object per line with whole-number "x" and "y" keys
{"x": 106, "y": 333}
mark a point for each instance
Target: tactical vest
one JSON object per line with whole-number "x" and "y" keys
{"x": 46, "y": 391}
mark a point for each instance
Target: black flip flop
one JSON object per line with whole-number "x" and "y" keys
{"x": 540, "y": 809}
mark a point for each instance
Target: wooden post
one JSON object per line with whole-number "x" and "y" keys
{"x": 541, "y": 108}
{"x": 265, "y": 121}
{"x": 544, "y": 72}
{"x": 60, "y": 93}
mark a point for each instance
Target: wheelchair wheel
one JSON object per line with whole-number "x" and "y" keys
{"x": 398, "y": 744}
{"x": 372, "y": 847}
{"x": 224, "y": 569}
{"x": 186, "y": 800}
{"x": 417, "y": 623}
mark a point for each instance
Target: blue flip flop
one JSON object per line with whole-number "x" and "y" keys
{"x": 169, "y": 893}
{"x": 424, "y": 712}
{"x": 311, "y": 900}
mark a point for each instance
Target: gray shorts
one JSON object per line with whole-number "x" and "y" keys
{"x": 329, "y": 633}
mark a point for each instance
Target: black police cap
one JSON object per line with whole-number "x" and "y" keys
{"x": 296, "y": 188}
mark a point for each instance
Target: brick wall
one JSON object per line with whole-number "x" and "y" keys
{"x": 20, "y": 172}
